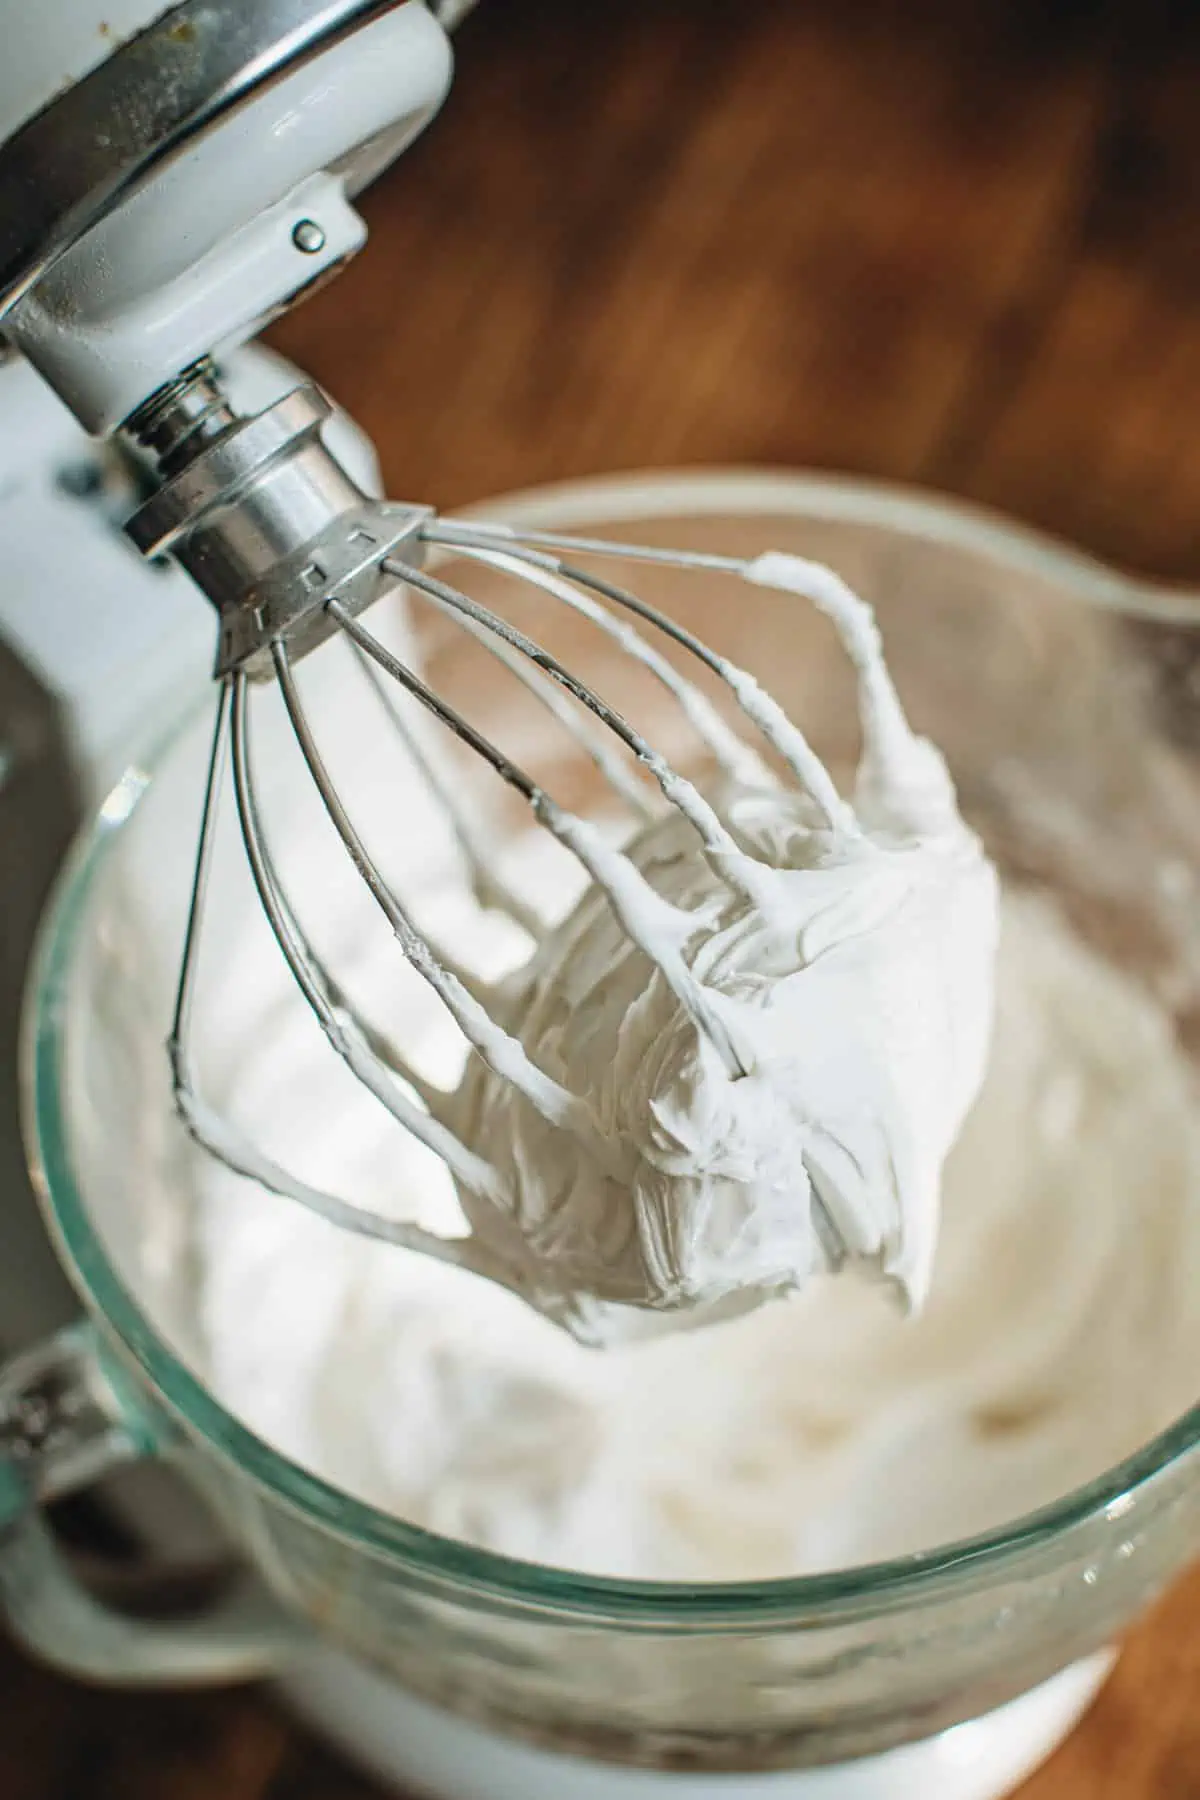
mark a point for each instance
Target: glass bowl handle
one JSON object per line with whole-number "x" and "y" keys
{"x": 64, "y": 1421}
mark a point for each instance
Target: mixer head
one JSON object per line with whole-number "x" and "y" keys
{"x": 170, "y": 179}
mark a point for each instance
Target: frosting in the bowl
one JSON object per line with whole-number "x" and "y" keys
{"x": 1060, "y": 1332}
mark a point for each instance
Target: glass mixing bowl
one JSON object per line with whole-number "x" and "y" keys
{"x": 1065, "y": 699}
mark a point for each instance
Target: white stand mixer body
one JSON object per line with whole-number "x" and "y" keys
{"x": 223, "y": 233}
{"x": 404, "y": 1740}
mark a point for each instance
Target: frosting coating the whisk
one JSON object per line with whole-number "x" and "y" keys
{"x": 745, "y": 1054}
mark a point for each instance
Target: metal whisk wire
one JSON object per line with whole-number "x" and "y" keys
{"x": 662, "y": 930}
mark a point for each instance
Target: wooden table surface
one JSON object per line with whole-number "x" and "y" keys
{"x": 956, "y": 245}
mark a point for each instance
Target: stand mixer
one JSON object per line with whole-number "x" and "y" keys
{"x": 191, "y": 184}
{"x": 192, "y": 177}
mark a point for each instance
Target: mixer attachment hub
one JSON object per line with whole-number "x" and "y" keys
{"x": 264, "y": 518}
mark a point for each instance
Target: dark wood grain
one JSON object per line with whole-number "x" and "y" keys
{"x": 956, "y": 245}
{"x": 951, "y": 244}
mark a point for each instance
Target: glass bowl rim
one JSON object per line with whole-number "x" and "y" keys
{"x": 490, "y": 1578}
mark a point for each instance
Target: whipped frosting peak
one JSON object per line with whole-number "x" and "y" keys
{"x": 786, "y": 1109}
{"x": 864, "y": 996}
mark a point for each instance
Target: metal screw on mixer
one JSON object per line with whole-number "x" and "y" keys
{"x": 308, "y": 237}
